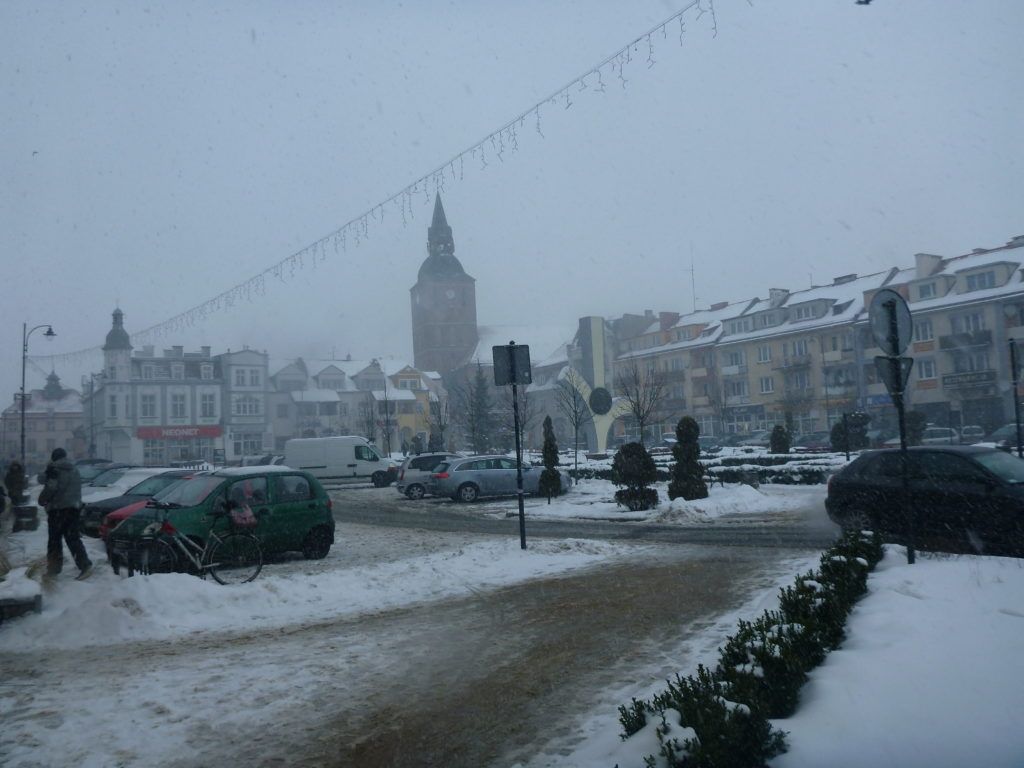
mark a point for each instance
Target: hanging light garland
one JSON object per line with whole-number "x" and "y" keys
{"x": 502, "y": 142}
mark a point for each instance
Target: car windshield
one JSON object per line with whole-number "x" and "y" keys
{"x": 90, "y": 472}
{"x": 190, "y": 492}
{"x": 108, "y": 477}
{"x": 151, "y": 485}
{"x": 1003, "y": 465}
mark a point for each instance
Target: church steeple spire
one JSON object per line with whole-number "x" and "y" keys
{"x": 439, "y": 235}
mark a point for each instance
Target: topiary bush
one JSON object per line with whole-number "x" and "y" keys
{"x": 780, "y": 439}
{"x": 687, "y": 473}
{"x": 550, "y": 479}
{"x": 634, "y": 469}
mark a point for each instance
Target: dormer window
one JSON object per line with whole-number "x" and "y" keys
{"x": 206, "y": 371}
{"x": 981, "y": 280}
{"x": 148, "y": 371}
{"x": 926, "y": 291}
{"x": 803, "y": 313}
{"x": 177, "y": 371}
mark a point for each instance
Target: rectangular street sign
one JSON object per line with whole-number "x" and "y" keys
{"x": 512, "y": 364}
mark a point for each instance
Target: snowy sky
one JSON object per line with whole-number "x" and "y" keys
{"x": 157, "y": 154}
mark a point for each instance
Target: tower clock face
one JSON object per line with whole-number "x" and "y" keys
{"x": 450, "y": 294}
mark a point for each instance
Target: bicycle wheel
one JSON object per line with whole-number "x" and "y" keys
{"x": 159, "y": 556}
{"x": 235, "y": 559}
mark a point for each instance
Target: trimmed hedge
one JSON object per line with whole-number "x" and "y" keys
{"x": 719, "y": 718}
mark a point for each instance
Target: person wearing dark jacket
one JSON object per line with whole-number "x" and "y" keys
{"x": 62, "y": 497}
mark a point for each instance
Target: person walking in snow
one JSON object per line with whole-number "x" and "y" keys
{"x": 62, "y": 498}
{"x": 14, "y": 479}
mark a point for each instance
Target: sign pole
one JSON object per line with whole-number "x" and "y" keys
{"x": 846, "y": 432}
{"x": 897, "y": 398}
{"x": 1016, "y": 397}
{"x": 519, "y": 448}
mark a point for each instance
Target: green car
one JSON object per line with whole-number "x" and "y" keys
{"x": 292, "y": 509}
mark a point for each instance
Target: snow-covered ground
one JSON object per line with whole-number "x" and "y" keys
{"x": 929, "y": 676}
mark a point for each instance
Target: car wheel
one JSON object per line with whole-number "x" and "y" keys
{"x": 468, "y": 492}
{"x": 115, "y": 561}
{"x": 317, "y": 543}
{"x": 415, "y": 491}
{"x": 856, "y": 521}
{"x": 379, "y": 480}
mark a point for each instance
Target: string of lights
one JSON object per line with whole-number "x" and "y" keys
{"x": 499, "y": 143}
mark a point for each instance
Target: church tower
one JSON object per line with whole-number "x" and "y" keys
{"x": 117, "y": 351}
{"x": 444, "y": 332}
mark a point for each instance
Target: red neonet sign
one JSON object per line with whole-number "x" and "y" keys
{"x": 165, "y": 433}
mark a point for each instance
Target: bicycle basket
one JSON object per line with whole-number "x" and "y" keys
{"x": 243, "y": 517}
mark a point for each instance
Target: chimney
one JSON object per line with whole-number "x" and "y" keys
{"x": 668, "y": 319}
{"x": 777, "y": 297}
{"x": 205, "y": 351}
{"x": 925, "y": 264}
{"x": 1016, "y": 242}
{"x": 845, "y": 279}
{"x": 719, "y": 305}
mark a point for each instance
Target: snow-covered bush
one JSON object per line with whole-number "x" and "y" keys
{"x": 687, "y": 473}
{"x": 634, "y": 469}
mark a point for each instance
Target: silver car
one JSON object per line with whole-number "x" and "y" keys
{"x": 469, "y": 478}
{"x": 414, "y": 475}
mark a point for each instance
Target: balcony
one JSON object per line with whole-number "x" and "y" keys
{"x": 737, "y": 400}
{"x": 701, "y": 401}
{"x": 841, "y": 390}
{"x": 955, "y": 341}
{"x": 734, "y": 370}
{"x": 698, "y": 373}
{"x": 793, "y": 361}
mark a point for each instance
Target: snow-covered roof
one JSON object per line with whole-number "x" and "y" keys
{"x": 394, "y": 394}
{"x": 36, "y": 404}
{"x": 543, "y": 340}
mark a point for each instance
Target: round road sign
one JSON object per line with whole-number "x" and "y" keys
{"x": 887, "y": 306}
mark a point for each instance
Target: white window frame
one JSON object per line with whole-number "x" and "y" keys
{"x": 764, "y": 353}
{"x": 767, "y": 385}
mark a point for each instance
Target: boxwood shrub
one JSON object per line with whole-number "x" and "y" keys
{"x": 720, "y": 718}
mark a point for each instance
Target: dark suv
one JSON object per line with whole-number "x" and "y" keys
{"x": 963, "y": 498}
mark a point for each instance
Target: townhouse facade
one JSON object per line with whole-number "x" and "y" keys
{"x": 806, "y": 357}
{"x": 53, "y": 419}
{"x": 177, "y": 406}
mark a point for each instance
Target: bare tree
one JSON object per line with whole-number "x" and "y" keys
{"x": 527, "y": 415}
{"x": 573, "y": 406}
{"x": 472, "y": 410}
{"x": 437, "y": 424}
{"x": 368, "y": 417}
{"x": 643, "y": 393}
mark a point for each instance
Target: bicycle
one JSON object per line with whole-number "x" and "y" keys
{"x": 235, "y": 557}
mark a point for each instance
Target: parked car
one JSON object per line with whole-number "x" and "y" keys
{"x": 469, "y": 478}
{"x": 343, "y": 459}
{"x": 759, "y": 439}
{"x": 117, "y": 483}
{"x": 1004, "y": 438}
{"x": 940, "y": 436}
{"x": 414, "y": 474}
{"x": 963, "y": 498}
{"x": 709, "y": 444}
{"x": 814, "y": 442}
{"x": 292, "y": 509}
{"x": 90, "y": 473}
{"x": 94, "y": 511}
{"x": 971, "y": 433}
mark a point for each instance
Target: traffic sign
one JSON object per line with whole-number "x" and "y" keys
{"x": 511, "y": 364}
{"x": 890, "y": 321}
{"x": 894, "y": 372}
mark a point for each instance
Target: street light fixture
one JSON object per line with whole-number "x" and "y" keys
{"x": 24, "y": 357}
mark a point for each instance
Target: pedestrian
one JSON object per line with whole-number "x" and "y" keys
{"x": 62, "y": 498}
{"x": 14, "y": 480}
{"x": 405, "y": 447}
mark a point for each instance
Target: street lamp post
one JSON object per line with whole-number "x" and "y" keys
{"x": 24, "y": 357}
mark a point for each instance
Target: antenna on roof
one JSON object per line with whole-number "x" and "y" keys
{"x": 693, "y": 283}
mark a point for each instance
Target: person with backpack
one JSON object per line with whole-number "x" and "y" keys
{"x": 62, "y": 498}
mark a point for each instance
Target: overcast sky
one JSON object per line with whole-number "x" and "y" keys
{"x": 154, "y": 155}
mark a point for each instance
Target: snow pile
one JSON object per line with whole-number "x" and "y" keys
{"x": 736, "y": 499}
{"x": 108, "y": 609}
{"x": 16, "y": 585}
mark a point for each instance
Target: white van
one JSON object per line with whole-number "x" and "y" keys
{"x": 347, "y": 459}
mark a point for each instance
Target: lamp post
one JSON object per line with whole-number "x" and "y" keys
{"x": 24, "y": 357}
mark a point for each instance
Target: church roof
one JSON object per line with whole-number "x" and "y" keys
{"x": 441, "y": 263}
